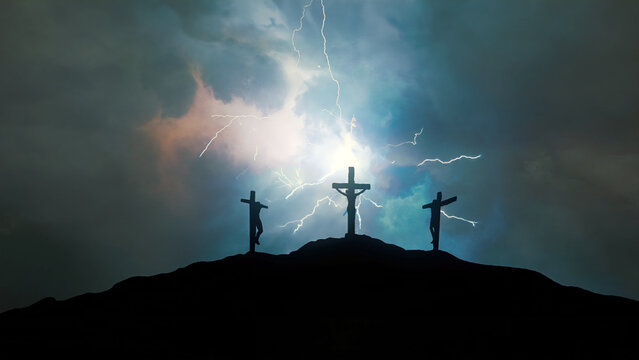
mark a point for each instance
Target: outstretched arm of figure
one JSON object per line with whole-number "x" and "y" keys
{"x": 341, "y": 192}
{"x": 427, "y": 206}
{"x": 356, "y": 194}
{"x": 264, "y": 206}
{"x": 448, "y": 201}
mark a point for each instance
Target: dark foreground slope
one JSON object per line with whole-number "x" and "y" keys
{"x": 332, "y": 298}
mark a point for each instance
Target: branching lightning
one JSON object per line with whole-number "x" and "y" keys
{"x": 298, "y": 184}
{"x": 295, "y": 182}
{"x": 233, "y": 118}
{"x": 284, "y": 179}
{"x": 303, "y": 185}
{"x": 473, "y": 223}
{"x": 299, "y": 55}
{"x": 294, "y": 188}
{"x": 358, "y": 203}
{"x": 328, "y": 62}
{"x": 414, "y": 142}
{"x": 449, "y": 161}
{"x": 300, "y": 222}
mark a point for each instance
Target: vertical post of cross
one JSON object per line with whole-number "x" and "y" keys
{"x": 251, "y": 202}
{"x": 350, "y": 194}
{"x": 435, "y": 209}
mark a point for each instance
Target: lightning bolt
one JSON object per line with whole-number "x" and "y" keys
{"x": 241, "y": 173}
{"x": 233, "y": 118}
{"x": 473, "y": 223}
{"x": 284, "y": 179}
{"x": 292, "y": 185}
{"x": 359, "y": 203}
{"x": 303, "y": 185}
{"x": 330, "y": 113}
{"x": 328, "y": 62}
{"x": 215, "y": 137}
{"x": 298, "y": 184}
{"x": 352, "y": 124}
{"x": 300, "y": 222}
{"x": 414, "y": 142}
{"x": 372, "y": 202}
{"x": 299, "y": 55}
{"x": 449, "y": 161}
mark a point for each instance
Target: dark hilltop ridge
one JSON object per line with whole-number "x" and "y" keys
{"x": 332, "y": 298}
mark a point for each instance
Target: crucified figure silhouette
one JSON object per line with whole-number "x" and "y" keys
{"x": 435, "y": 216}
{"x": 255, "y": 223}
{"x": 350, "y": 194}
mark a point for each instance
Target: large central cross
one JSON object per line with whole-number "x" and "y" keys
{"x": 350, "y": 194}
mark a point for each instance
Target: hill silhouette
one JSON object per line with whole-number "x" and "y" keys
{"x": 332, "y": 298}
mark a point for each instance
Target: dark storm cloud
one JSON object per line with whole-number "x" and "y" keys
{"x": 77, "y": 80}
{"x": 231, "y": 56}
{"x": 79, "y": 210}
{"x": 547, "y": 92}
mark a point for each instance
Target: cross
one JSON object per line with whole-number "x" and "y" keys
{"x": 254, "y": 220}
{"x": 435, "y": 211}
{"x": 350, "y": 194}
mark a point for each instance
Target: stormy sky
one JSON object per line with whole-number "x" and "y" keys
{"x": 108, "y": 105}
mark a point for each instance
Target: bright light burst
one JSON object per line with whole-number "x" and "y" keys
{"x": 335, "y": 150}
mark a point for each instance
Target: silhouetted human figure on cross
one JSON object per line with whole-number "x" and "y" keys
{"x": 435, "y": 216}
{"x": 350, "y": 194}
{"x": 254, "y": 220}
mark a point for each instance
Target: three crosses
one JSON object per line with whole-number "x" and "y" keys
{"x": 255, "y": 224}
